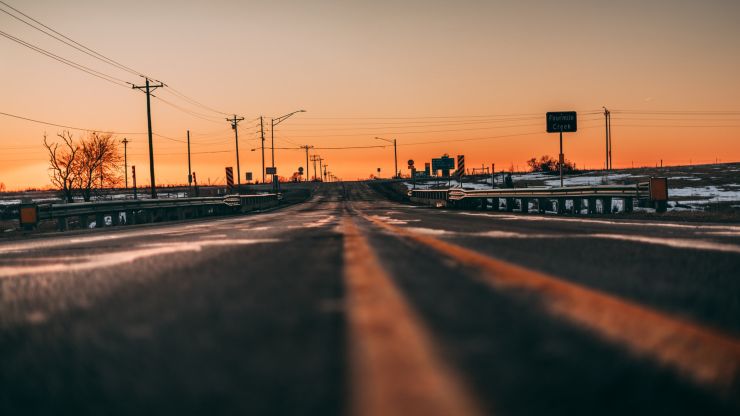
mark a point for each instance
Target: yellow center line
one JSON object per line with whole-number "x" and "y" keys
{"x": 705, "y": 355}
{"x": 394, "y": 367}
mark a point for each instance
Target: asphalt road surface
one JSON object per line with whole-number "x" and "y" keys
{"x": 351, "y": 304}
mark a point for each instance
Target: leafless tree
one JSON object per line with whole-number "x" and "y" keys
{"x": 63, "y": 163}
{"x": 99, "y": 165}
{"x": 91, "y": 164}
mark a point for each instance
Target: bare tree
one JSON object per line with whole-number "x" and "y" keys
{"x": 99, "y": 165}
{"x": 63, "y": 163}
{"x": 91, "y": 164}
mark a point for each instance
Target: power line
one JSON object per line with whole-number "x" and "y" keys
{"x": 62, "y": 125}
{"x": 64, "y": 39}
{"x": 41, "y": 27}
{"x": 80, "y": 67}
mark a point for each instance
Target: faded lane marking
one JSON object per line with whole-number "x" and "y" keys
{"x": 395, "y": 369}
{"x": 534, "y": 217}
{"x": 320, "y": 223}
{"x": 704, "y": 355}
{"x": 673, "y": 242}
{"x": 108, "y": 259}
{"x": 684, "y": 243}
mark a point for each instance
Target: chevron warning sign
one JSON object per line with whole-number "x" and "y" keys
{"x": 230, "y": 178}
{"x": 460, "y": 165}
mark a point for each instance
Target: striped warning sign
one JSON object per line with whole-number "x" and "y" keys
{"x": 230, "y": 178}
{"x": 460, "y": 165}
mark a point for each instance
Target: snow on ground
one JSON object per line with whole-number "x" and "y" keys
{"x": 681, "y": 197}
{"x": 584, "y": 180}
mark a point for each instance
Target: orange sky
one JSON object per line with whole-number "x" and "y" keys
{"x": 421, "y": 71}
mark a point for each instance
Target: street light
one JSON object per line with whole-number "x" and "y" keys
{"x": 395, "y": 154}
{"x": 274, "y": 122}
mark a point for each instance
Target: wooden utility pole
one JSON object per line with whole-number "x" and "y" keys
{"x": 148, "y": 88}
{"x": 235, "y": 125}
{"x": 190, "y": 170}
{"x": 306, "y": 147}
{"x": 125, "y": 161}
{"x": 262, "y": 135}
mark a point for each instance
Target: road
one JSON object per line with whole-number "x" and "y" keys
{"x": 352, "y": 304}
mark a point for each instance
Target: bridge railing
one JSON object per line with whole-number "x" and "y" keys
{"x": 143, "y": 210}
{"x": 652, "y": 193}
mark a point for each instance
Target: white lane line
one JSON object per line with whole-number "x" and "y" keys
{"x": 685, "y": 243}
{"x": 672, "y": 242}
{"x": 697, "y": 227}
{"x": 102, "y": 260}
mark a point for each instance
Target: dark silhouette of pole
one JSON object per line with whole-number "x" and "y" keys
{"x": 274, "y": 122}
{"x": 395, "y": 155}
{"x": 262, "y": 135}
{"x": 125, "y": 161}
{"x": 190, "y": 175}
{"x": 562, "y": 159}
{"x": 306, "y": 147}
{"x": 609, "y": 121}
{"x": 314, "y": 159}
{"x": 235, "y": 125}
{"x": 321, "y": 177}
{"x": 148, "y": 88}
{"x": 607, "y": 137}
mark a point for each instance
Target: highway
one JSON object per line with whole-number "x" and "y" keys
{"x": 352, "y": 304}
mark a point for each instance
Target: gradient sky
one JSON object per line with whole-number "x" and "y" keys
{"x": 417, "y": 71}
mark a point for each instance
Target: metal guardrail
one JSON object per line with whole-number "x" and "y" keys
{"x": 640, "y": 190}
{"x": 53, "y": 211}
{"x": 162, "y": 209}
{"x": 655, "y": 192}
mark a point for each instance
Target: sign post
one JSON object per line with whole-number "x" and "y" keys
{"x": 559, "y": 122}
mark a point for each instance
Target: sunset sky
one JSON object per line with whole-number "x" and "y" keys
{"x": 464, "y": 77}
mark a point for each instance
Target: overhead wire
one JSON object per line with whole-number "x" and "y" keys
{"x": 80, "y": 67}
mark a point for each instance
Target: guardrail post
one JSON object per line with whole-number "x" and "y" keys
{"x": 483, "y": 204}
{"x": 99, "y": 221}
{"x": 115, "y": 218}
{"x": 509, "y": 204}
{"x": 542, "y": 205}
{"x": 495, "y": 204}
{"x": 62, "y": 223}
{"x": 629, "y": 203}
{"x": 606, "y": 205}
{"x": 591, "y": 205}
{"x": 561, "y": 205}
{"x": 525, "y": 205}
{"x": 577, "y": 205}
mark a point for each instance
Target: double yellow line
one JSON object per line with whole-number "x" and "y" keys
{"x": 396, "y": 368}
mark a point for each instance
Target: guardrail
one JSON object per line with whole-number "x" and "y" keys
{"x": 143, "y": 210}
{"x": 653, "y": 193}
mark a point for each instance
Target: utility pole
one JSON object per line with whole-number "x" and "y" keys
{"x": 321, "y": 169}
{"x": 148, "y": 88}
{"x": 306, "y": 147}
{"x": 262, "y": 135}
{"x": 607, "y": 127}
{"x": 325, "y": 166}
{"x": 274, "y": 122}
{"x": 190, "y": 170}
{"x": 234, "y": 125}
{"x": 314, "y": 159}
{"x": 125, "y": 160}
{"x": 395, "y": 155}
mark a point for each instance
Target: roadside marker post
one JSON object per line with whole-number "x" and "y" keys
{"x": 28, "y": 216}
{"x": 230, "y": 179}
{"x": 560, "y": 122}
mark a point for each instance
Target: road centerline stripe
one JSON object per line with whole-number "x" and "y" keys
{"x": 394, "y": 367}
{"x": 705, "y": 355}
